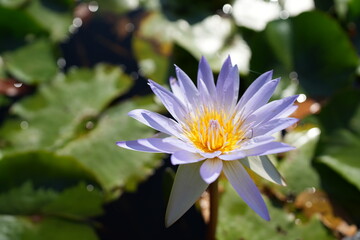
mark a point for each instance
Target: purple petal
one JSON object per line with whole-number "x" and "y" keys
{"x": 187, "y": 188}
{"x": 236, "y": 155}
{"x": 224, "y": 72}
{"x": 206, "y": 75}
{"x": 245, "y": 187}
{"x": 270, "y": 110}
{"x": 287, "y": 111}
{"x": 260, "y": 98}
{"x": 230, "y": 92}
{"x": 210, "y": 155}
{"x": 175, "y": 88}
{"x": 269, "y": 148}
{"x": 254, "y": 87}
{"x": 185, "y": 157}
{"x": 155, "y": 121}
{"x": 187, "y": 86}
{"x": 256, "y": 141}
{"x": 172, "y": 103}
{"x": 211, "y": 169}
{"x": 274, "y": 126}
{"x": 156, "y": 145}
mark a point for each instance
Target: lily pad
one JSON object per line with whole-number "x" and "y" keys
{"x": 39, "y": 228}
{"x": 54, "y": 115}
{"x": 238, "y": 221}
{"x": 32, "y": 63}
{"x": 116, "y": 169}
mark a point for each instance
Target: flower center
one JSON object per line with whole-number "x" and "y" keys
{"x": 210, "y": 130}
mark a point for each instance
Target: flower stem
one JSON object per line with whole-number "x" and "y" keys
{"x": 214, "y": 208}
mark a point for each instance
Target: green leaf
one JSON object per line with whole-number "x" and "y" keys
{"x": 24, "y": 228}
{"x": 340, "y": 143}
{"x": 43, "y": 169}
{"x": 12, "y": 3}
{"x": 23, "y": 27}
{"x": 33, "y": 63}
{"x": 115, "y": 168}
{"x": 60, "y": 109}
{"x": 54, "y": 16}
{"x": 238, "y": 221}
{"x": 25, "y": 200}
{"x": 152, "y": 55}
{"x": 298, "y": 163}
{"x": 79, "y": 201}
{"x": 321, "y": 55}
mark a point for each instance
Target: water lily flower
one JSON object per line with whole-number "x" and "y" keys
{"x": 212, "y": 132}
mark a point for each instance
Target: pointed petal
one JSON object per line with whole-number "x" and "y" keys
{"x": 270, "y": 110}
{"x": 155, "y": 121}
{"x": 274, "y": 126}
{"x": 287, "y": 111}
{"x": 245, "y": 187}
{"x": 185, "y": 157}
{"x": 256, "y": 141}
{"x": 260, "y": 98}
{"x": 181, "y": 144}
{"x": 206, "y": 75}
{"x": 156, "y": 145}
{"x": 187, "y": 188}
{"x": 268, "y": 148}
{"x": 172, "y": 103}
{"x": 262, "y": 166}
{"x": 211, "y": 169}
{"x": 224, "y": 72}
{"x": 230, "y": 92}
{"x": 254, "y": 87}
{"x": 187, "y": 86}
{"x": 236, "y": 155}
{"x": 175, "y": 88}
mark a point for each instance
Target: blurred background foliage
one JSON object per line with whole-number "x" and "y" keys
{"x": 71, "y": 70}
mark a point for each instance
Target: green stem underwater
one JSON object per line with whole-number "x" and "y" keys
{"x": 214, "y": 208}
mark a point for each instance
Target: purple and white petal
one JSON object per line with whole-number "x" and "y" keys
{"x": 262, "y": 166}
{"x": 187, "y": 188}
{"x": 175, "y": 88}
{"x": 270, "y": 110}
{"x": 172, "y": 103}
{"x": 268, "y": 148}
{"x": 210, "y": 155}
{"x": 234, "y": 155}
{"x": 229, "y": 95}
{"x": 256, "y": 141}
{"x": 185, "y": 157}
{"x": 224, "y": 72}
{"x": 260, "y": 98}
{"x": 287, "y": 111}
{"x": 187, "y": 86}
{"x": 245, "y": 187}
{"x": 156, "y": 145}
{"x": 206, "y": 76}
{"x": 254, "y": 87}
{"x": 210, "y": 170}
{"x": 181, "y": 144}
{"x": 274, "y": 126}
{"x": 156, "y": 121}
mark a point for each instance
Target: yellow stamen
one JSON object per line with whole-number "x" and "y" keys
{"x": 211, "y": 130}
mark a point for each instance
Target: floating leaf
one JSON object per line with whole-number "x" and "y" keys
{"x": 52, "y": 117}
{"x": 32, "y": 63}
{"x": 116, "y": 169}
{"x": 298, "y": 163}
{"x": 38, "y": 228}
{"x": 238, "y": 221}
